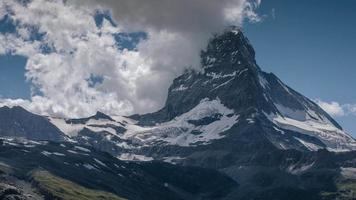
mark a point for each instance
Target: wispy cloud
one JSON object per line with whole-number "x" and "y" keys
{"x": 273, "y": 13}
{"x": 336, "y": 109}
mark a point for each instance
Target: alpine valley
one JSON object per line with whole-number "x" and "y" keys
{"x": 228, "y": 131}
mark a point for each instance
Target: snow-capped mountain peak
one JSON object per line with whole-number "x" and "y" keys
{"x": 231, "y": 95}
{"x": 231, "y": 106}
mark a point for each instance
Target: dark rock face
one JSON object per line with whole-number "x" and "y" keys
{"x": 17, "y": 122}
{"x": 8, "y": 192}
{"x": 12, "y": 188}
{"x": 97, "y": 116}
{"x": 103, "y": 141}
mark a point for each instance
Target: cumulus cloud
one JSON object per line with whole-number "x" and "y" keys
{"x": 180, "y": 16}
{"x": 336, "y": 109}
{"x": 177, "y": 30}
{"x": 333, "y": 108}
{"x": 71, "y": 49}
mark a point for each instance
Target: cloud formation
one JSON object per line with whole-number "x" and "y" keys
{"x": 180, "y": 16}
{"x": 336, "y": 109}
{"x": 65, "y": 48}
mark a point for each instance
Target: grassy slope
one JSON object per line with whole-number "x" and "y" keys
{"x": 346, "y": 189}
{"x": 56, "y": 187}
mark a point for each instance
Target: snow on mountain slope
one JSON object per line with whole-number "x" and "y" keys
{"x": 69, "y": 129}
{"x": 334, "y": 138}
{"x": 204, "y": 123}
{"x": 301, "y": 115}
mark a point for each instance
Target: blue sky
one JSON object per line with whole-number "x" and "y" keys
{"x": 309, "y": 44}
{"x": 12, "y": 78}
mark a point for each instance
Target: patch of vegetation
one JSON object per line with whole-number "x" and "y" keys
{"x": 346, "y": 190}
{"x": 54, "y": 187}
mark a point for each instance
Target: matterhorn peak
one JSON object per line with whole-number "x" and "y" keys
{"x": 228, "y": 51}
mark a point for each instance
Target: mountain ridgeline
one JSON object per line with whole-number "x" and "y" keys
{"x": 257, "y": 137}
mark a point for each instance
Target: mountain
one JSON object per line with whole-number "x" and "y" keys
{"x": 232, "y": 79}
{"x": 18, "y": 122}
{"x": 261, "y": 138}
{"x": 230, "y": 99}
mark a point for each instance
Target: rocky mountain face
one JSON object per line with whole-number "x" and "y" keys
{"x": 231, "y": 118}
{"x": 17, "y": 122}
{"x": 231, "y": 76}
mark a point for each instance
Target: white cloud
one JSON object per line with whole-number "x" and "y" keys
{"x": 333, "y": 108}
{"x": 336, "y": 109}
{"x": 15, "y": 45}
{"x": 180, "y": 16}
{"x": 2, "y": 10}
{"x": 177, "y": 30}
{"x": 134, "y": 81}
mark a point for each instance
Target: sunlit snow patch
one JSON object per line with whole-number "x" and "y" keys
{"x": 134, "y": 157}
